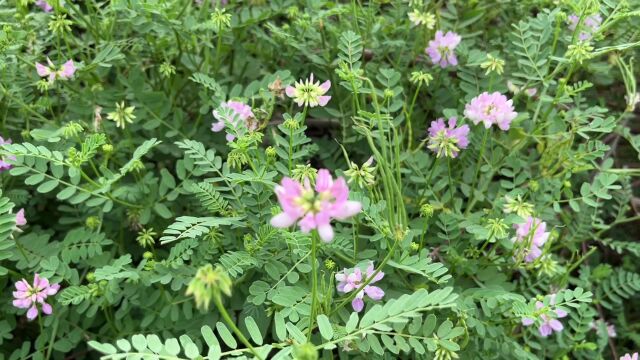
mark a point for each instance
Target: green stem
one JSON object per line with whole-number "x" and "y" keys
{"x": 225, "y": 315}
{"x": 314, "y": 283}
{"x": 477, "y": 170}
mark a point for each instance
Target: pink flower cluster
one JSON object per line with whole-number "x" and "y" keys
{"x": 532, "y": 233}
{"x": 491, "y": 109}
{"x": 65, "y": 72}
{"x": 240, "y": 112}
{"x": 441, "y": 49}
{"x": 447, "y": 140}
{"x": 27, "y": 296}
{"x": 351, "y": 280}
{"x": 314, "y": 209}
{"x": 4, "y": 165}
{"x": 45, "y": 6}
{"x": 590, "y": 25}
{"x": 547, "y": 324}
{"x": 630, "y": 356}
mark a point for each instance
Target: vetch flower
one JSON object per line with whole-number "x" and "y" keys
{"x": 207, "y": 283}
{"x": 351, "y": 280}
{"x": 630, "y": 356}
{"x": 4, "y": 165}
{"x": 491, "y": 109}
{"x": 28, "y": 296}
{"x": 515, "y": 89}
{"x": 518, "y": 206}
{"x": 590, "y": 25}
{"x": 122, "y": 115}
{"x": 419, "y": 18}
{"x": 309, "y": 92}
{"x": 21, "y": 220}
{"x": 447, "y": 140}
{"x": 611, "y": 329}
{"x": 45, "y": 6}
{"x": 314, "y": 209}
{"x": 533, "y": 235}
{"x": 363, "y": 176}
{"x": 547, "y": 320}
{"x": 493, "y": 64}
{"x": 65, "y": 72}
{"x": 441, "y": 49}
{"x": 230, "y": 114}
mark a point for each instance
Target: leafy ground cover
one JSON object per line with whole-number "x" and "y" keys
{"x": 287, "y": 179}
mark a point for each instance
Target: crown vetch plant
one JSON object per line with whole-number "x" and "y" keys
{"x": 285, "y": 179}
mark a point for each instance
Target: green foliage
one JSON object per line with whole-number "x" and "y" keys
{"x": 131, "y": 199}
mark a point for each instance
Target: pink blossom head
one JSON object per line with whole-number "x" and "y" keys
{"x": 309, "y": 92}
{"x": 21, "y": 220}
{"x": 590, "y": 25}
{"x": 533, "y": 235}
{"x": 44, "y": 5}
{"x": 65, "y": 72}
{"x": 491, "y": 109}
{"x": 547, "y": 318}
{"x": 31, "y": 297}
{"x": 314, "y": 208}
{"x": 633, "y": 356}
{"x": 351, "y": 280}
{"x": 441, "y": 49}
{"x": 4, "y": 165}
{"x": 231, "y": 114}
{"x": 447, "y": 140}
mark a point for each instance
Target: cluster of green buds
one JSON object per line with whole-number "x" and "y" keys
{"x": 71, "y": 129}
{"x": 207, "y": 284}
{"x": 92, "y": 222}
{"x": 579, "y": 52}
{"x": 493, "y": 64}
{"x": 363, "y": 176}
{"x": 292, "y": 123}
{"x": 421, "y": 78}
{"x": 60, "y": 24}
{"x": 497, "y": 229}
{"x": 167, "y": 69}
{"x": 122, "y": 115}
{"x": 350, "y": 74}
{"x": 302, "y": 172}
{"x": 146, "y": 238}
{"x": 220, "y": 20}
{"x": 518, "y": 206}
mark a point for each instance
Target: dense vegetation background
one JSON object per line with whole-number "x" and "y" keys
{"x": 144, "y": 142}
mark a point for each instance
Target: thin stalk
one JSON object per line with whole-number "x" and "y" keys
{"x": 225, "y": 315}
{"x": 314, "y": 283}
{"x": 477, "y": 171}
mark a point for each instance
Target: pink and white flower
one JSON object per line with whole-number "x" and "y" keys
{"x": 491, "y": 109}
{"x": 441, "y": 49}
{"x": 44, "y": 5}
{"x": 65, "y": 72}
{"x": 351, "y": 280}
{"x": 28, "y": 296}
{"x": 21, "y": 220}
{"x": 547, "y": 320}
{"x": 590, "y": 25}
{"x": 309, "y": 92}
{"x": 4, "y": 165}
{"x": 239, "y": 112}
{"x": 633, "y": 356}
{"x": 447, "y": 140}
{"x": 314, "y": 209}
{"x": 533, "y": 235}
